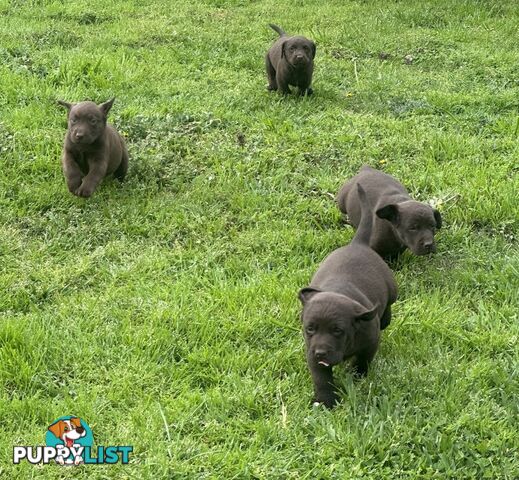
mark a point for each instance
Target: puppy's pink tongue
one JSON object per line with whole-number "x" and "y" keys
{"x": 324, "y": 364}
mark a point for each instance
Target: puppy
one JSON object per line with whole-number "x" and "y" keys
{"x": 399, "y": 222}
{"x": 68, "y": 431}
{"x": 93, "y": 149}
{"x": 345, "y": 307}
{"x": 290, "y": 61}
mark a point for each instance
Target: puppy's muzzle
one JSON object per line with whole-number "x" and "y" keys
{"x": 300, "y": 59}
{"x": 428, "y": 247}
{"x": 320, "y": 355}
{"x": 78, "y": 137}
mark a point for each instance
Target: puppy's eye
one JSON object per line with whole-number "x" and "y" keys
{"x": 306, "y": 49}
{"x": 73, "y": 120}
{"x": 93, "y": 121}
{"x": 310, "y": 329}
{"x": 338, "y": 331}
{"x": 292, "y": 48}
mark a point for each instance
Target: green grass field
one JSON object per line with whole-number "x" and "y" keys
{"x": 164, "y": 312}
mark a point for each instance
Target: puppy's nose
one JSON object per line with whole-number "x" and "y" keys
{"x": 320, "y": 353}
{"x": 79, "y": 135}
{"x": 299, "y": 57}
{"x": 428, "y": 245}
{"x": 80, "y": 430}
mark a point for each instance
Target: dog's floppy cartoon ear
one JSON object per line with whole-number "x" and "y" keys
{"x": 438, "y": 218}
{"x": 58, "y": 428}
{"x": 105, "y": 107}
{"x": 389, "y": 212}
{"x": 76, "y": 421}
{"x": 313, "y": 49}
{"x": 67, "y": 105}
{"x": 306, "y": 294}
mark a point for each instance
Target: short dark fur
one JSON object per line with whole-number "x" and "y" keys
{"x": 290, "y": 61}
{"x": 345, "y": 307}
{"x": 93, "y": 149}
{"x": 398, "y": 221}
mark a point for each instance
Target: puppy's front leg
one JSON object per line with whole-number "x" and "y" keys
{"x": 96, "y": 173}
{"x": 282, "y": 82}
{"x": 324, "y": 387}
{"x": 71, "y": 171}
{"x": 362, "y": 361}
{"x": 305, "y": 89}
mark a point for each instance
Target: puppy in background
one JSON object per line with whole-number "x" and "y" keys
{"x": 399, "y": 222}
{"x": 93, "y": 149}
{"x": 345, "y": 307}
{"x": 290, "y": 61}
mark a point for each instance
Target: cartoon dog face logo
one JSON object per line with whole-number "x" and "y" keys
{"x": 68, "y": 431}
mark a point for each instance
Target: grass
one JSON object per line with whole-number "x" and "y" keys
{"x": 163, "y": 311}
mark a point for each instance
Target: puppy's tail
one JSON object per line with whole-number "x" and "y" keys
{"x": 363, "y": 233}
{"x": 277, "y": 29}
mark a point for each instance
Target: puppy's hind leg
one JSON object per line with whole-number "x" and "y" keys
{"x": 271, "y": 74}
{"x": 122, "y": 169}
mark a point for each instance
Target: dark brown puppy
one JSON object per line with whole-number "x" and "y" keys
{"x": 93, "y": 149}
{"x": 398, "y": 221}
{"x": 345, "y": 307}
{"x": 290, "y": 61}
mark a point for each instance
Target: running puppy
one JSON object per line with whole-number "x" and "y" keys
{"x": 290, "y": 61}
{"x": 398, "y": 221}
{"x": 93, "y": 149}
{"x": 345, "y": 307}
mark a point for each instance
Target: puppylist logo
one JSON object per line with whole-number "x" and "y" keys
{"x": 69, "y": 441}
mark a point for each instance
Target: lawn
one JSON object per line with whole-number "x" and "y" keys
{"x": 163, "y": 311}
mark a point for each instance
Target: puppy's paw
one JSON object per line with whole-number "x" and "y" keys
{"x": 272, "y": 88}
{"x": 73, "y": 185}
{"x": 360, "y": 371}
{"x": 328, "y": 400}
{"x": 304, "y": 92}
{"x": 84, "y": 191}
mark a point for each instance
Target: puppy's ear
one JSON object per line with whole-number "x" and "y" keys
{"x": 58, "y": 428}
{"x": 313, "y": 49}
{"x": 105, "y": 107}
{"x": 283, "y": 49}
{"x": 367, "y": 315}
{"x": 76, "y": 421}
{"x": 438, "y": 218}
{"x": 306, "y": 294}
{"x": 67, "y": 105}
{"x": 389, "y": 212}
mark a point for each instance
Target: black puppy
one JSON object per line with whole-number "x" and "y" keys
{"x": 345, "y": 307}
{"x": 290, "y": 61}
{"x": 93, "y": 149}
{"x": 398, "y": 222}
